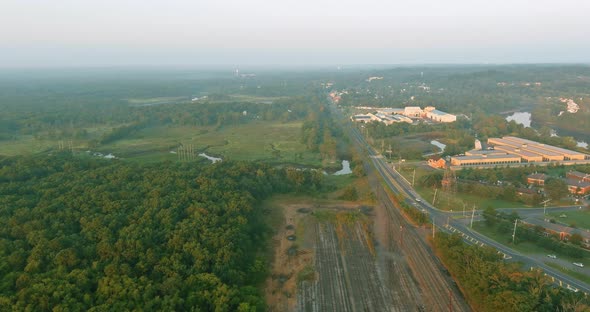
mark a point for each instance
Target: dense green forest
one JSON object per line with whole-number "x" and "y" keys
{"x": 493, "y": 285}
{"x": 85, "y": 234}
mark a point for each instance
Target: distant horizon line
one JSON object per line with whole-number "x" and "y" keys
{"x": 286, "y": 66}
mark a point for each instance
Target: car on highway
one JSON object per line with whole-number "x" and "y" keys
{"x": 552, "y": 256}
{"x": 580, "y": 264}
{"x": 418, "y": 200}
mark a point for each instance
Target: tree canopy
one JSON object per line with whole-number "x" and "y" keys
{"x": 87, "y": 234}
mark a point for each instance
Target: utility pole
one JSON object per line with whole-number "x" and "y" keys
{"x": 545, "y": 206}
{"x": 514, "y": 232}
{"x": 433, "y": 227}
{"x": 472, "y": 215}
{"x": 450, "y": 301}
{"x": 401, "y": 236}
{"x": 434, "y": 198}
{"x": 413, "y": 176}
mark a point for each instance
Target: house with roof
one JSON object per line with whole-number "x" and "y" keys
{"x": 536, "y": 179}
{"x": 577, "y": 175}
{"x": 577, "y": 187}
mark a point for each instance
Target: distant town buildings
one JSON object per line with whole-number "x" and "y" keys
{"x": 374, "y": 78}
{"x": 478, "y": 145}
{"x": 572, "y": 107}
{"x": 336, "y": 96}
{"x": 511, "y": 150}
{"x": 578, "y": 183}
{"x": 407, "y": 114}
{"x": 437, "y": 163}
{"x": 523, "y": 84}
{"x": 380, "y": 117}
{"x": 536, "y": 179}
{"x": 436, "y": 115}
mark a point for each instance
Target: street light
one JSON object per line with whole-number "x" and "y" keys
{"x": 514, "y": 233}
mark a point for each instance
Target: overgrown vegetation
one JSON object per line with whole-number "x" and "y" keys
{"x": 493, "y": 285}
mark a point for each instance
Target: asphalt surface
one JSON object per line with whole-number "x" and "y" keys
{"x": 398, "y": 184}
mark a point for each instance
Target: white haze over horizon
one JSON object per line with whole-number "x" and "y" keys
{"x": 290, "y": 32}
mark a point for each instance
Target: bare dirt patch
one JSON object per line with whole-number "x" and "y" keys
{"x": 294, "y": 243}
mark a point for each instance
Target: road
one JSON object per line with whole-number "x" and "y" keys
{"x": 414, "y": 273}
{"x": 398, "y": 184}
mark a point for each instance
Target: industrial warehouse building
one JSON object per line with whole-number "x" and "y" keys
{"x": 484, "y": 159}
{"x": 532, "y": 151}
{"x": 440, "y": 116}
{"x": 510, "y": 150}
{"x": 380, "y": 117}
{"x": 390, "y": 115}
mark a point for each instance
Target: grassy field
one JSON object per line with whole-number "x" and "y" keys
{"x": 269, "y": 141}
{"x": 28, "y": 144}
{"x": 581, "y": 219}
{"x": 581, "y": 276}
{"x": 524, "y": 247}
{"x": 455, "y": 202}
{"x": 274, "y": 142}
{"x": 506, "y": 238}
{"x": 25, "y": 144}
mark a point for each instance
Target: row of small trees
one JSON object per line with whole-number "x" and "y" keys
{"x": 493, "y": 285}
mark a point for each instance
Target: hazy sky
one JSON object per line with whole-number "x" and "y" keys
{"x": 291, "y": 32}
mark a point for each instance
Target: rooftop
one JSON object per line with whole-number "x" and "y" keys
{"x": 579, "y": 174}
{"x": 483, "y": 157}
{"x": 437, "y": 112}
{"x": 574, "y": 182}
{"x": 537, "y": 176}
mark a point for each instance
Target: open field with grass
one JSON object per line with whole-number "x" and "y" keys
{"x": 506, "y": 238}
{"x": 535, "y": 251}
{"x": 524, "y": 247}
{"x": 274, "y": 142}
{"x": 269, "y": 141}
{"x": 581, "y": 219}
{"x": 455, "y": 202}
{"x": 25, "y": 144}
{"x": 29, "y": 144}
